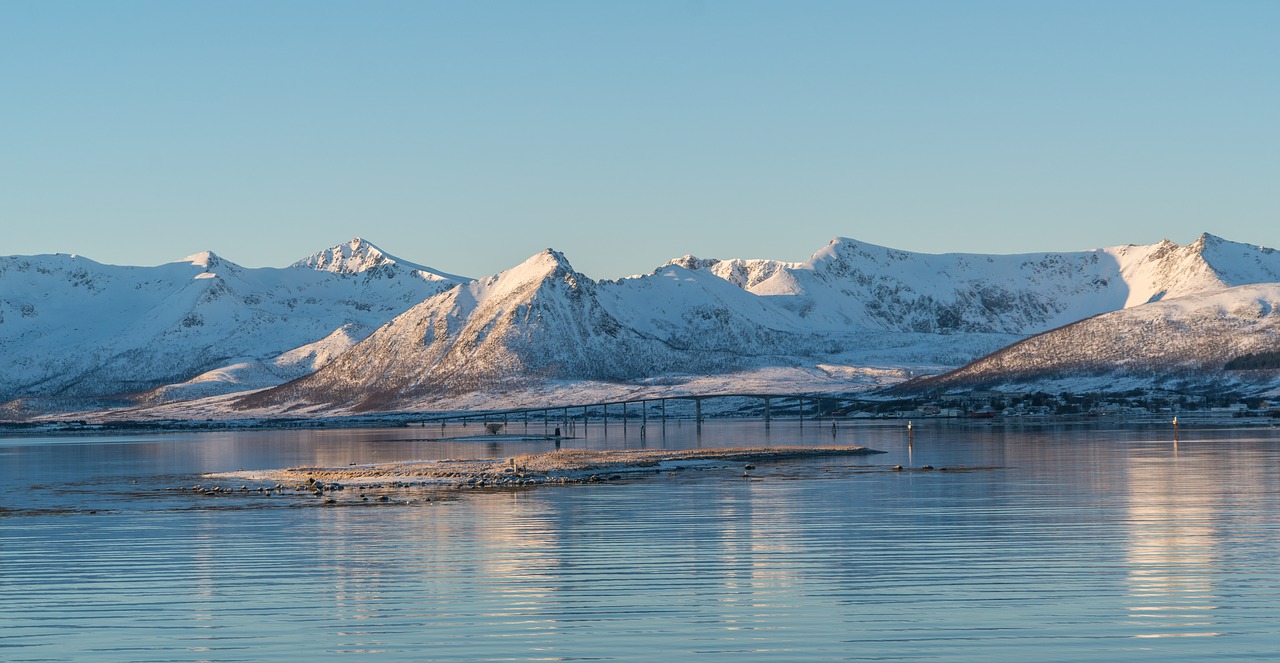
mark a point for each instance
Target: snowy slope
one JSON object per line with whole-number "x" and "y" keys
{"x": 72, "y": 327}
{"x": 537, "y": 320}
{"x": 851, "y": 283}
{"x": 1177, "y": 343}
{"x": 251, "y": 375}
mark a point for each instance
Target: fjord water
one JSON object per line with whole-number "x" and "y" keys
{"x": 1066, "y": 544}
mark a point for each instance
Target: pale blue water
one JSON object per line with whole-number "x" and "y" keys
{"x": 1071, "y": 545}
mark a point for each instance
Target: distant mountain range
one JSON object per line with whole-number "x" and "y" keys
{"x": 354, "y": 329}
{"x": 1225, "y": 338}
{"x": 73, "y": 328}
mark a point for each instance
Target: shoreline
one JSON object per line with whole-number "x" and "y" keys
{"x": 10, "y": 430}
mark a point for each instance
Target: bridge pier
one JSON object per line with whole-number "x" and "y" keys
{"x": 766, "y": 411}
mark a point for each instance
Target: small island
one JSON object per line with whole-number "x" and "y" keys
{"x": 562, "y": 466}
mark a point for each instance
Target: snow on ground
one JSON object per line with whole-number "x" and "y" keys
{"x": 554, "y": 393}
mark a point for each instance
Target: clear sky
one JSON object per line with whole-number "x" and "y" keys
{"x": 470, "y": 135}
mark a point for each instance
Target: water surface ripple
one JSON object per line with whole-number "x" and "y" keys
{"x": 1065, "y": 545}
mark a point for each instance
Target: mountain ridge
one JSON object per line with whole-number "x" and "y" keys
{"x": 1179, "y": 344}
{"x": 708, "y": 317}
{"x": 360, "y": 256}
{"x": 72, "y": 327}
{"x": 357, "y": 328}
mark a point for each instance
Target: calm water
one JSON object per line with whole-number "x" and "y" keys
{"x": 1066, "y": 545}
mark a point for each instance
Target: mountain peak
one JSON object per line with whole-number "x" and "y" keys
{"x": 356, "y": 256}
{"x": 556, "y": 256}
{"x": 205, "y": 259}
{"x": 540, "y": 265}
{"x": 689, "y": 261}
{"x": 360, "y": 256}
{"x": 1205, "y": 240}
{"x": 1237, "y": 263}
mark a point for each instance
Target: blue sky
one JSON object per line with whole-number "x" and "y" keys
{"x": 470, "y": 135}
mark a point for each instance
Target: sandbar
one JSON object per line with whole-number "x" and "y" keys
{"x": 561, "y": 466}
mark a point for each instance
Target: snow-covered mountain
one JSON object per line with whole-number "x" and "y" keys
{"x": 853, "y": 306}
{"x": 361, "y": 257}
{"x": 1181, "y": 344}
{"x": 851, "y": 283}
{"x": 353, "y": 328}
{"x": 72, "y": 327}
{"x": 535, "y": 320}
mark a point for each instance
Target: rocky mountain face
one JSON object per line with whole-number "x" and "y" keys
{"x": 1186, "y": 343}
{"x": 357, "y": 329}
